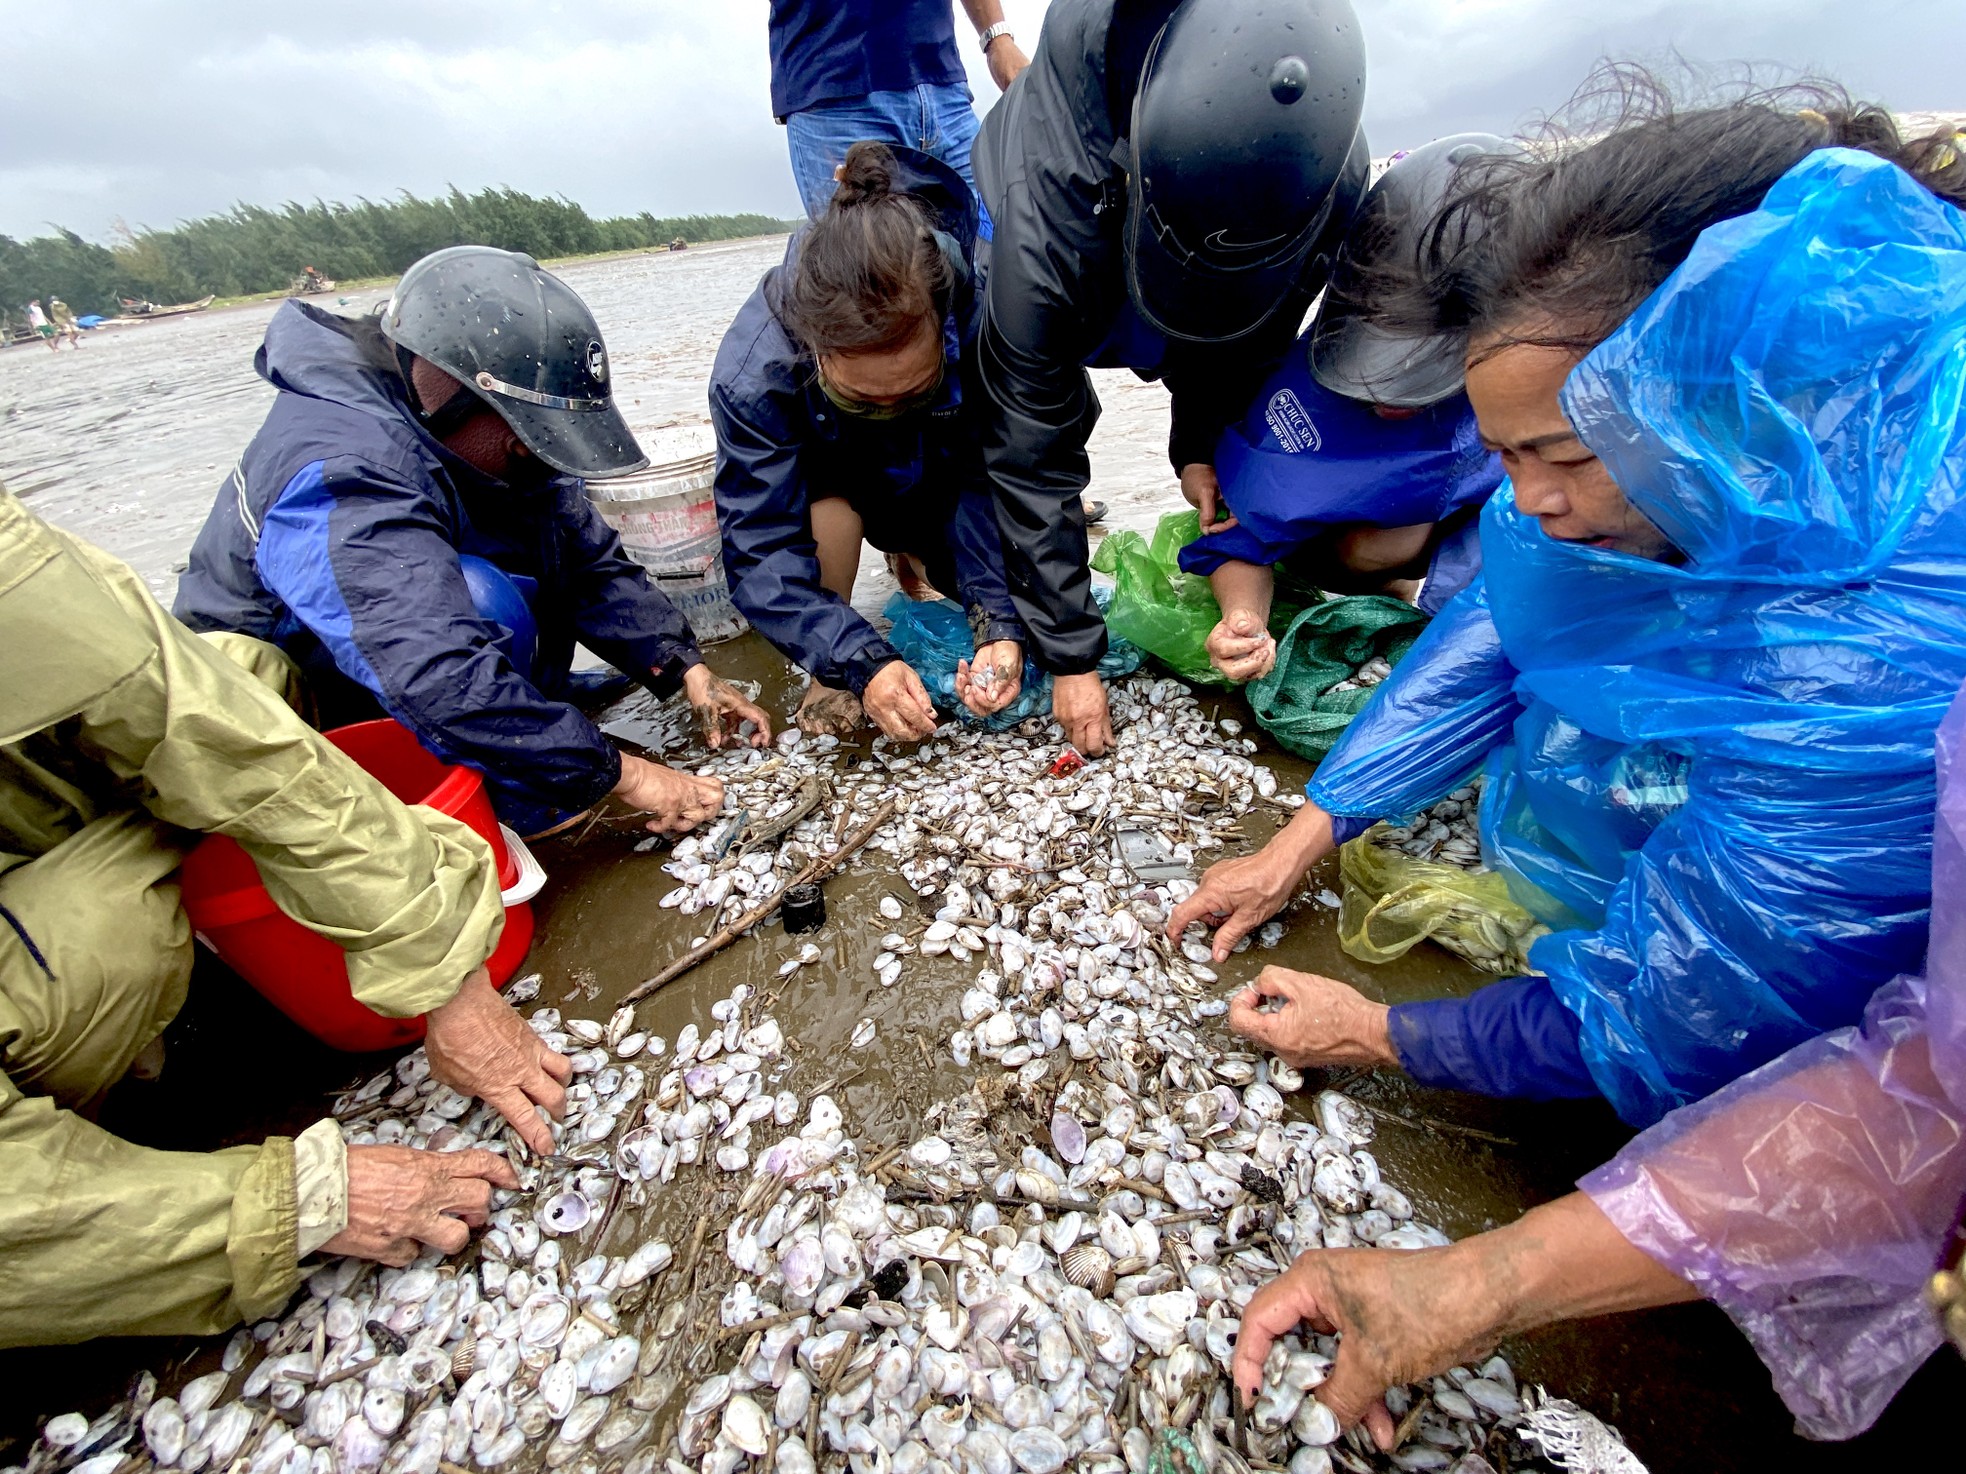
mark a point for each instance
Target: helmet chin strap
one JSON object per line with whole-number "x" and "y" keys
{"x": 446, "y": 417}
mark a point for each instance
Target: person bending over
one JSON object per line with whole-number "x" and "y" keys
{"x": 125, "y": 739}
{"x": 1358, "y": 465}
{"x": 1719, "y": 618}
{"x": 1167, "y": 184}
{"x": 846, "y": 409}
{"x": 410, "y": 525}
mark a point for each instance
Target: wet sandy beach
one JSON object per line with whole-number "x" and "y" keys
{"x": 125, "y": 443}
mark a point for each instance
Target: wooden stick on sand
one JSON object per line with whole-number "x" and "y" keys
{"x": 820, "y": 868}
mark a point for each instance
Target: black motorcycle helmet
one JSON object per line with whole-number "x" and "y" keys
{"x": 1245, "y": 161}
{"x": 1350, "y": 354}
{"x": 521, "y": 340}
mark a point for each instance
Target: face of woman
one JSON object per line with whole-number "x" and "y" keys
{"x": 890, "y": 379}
{"x": 1557, "y": 480}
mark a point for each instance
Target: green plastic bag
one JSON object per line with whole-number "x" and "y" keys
{"x": 1155, "y": 605}
{"x": 1325, "y": 645}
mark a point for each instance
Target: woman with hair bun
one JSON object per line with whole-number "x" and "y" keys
{"x": 843, "y": 404}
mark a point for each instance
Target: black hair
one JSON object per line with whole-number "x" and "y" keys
{"x": 869, "y": 271}
{"x": 1558, "y": 245}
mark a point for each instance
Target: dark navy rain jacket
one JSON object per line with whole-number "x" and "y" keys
{"x": 917, "y": 482}
{"x": 337, "y": 538}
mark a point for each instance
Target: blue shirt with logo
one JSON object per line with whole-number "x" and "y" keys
{"x": 1304, "y": 460}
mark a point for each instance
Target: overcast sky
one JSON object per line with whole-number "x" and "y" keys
{"x": 151, "y": 112}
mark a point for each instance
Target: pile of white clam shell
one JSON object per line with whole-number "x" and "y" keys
{"x": 1449, "y": 832}
{"x": 1366, "y": 676}
{"x": 1052, "y": 1275}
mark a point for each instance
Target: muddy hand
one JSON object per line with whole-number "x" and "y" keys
{"x": 829, "y": 711}
{"x": 400, "y": 1198}
{"x": 479, "y": 1046}
{"x": 898, "y": 703}
{"x": 1078, "y": 703}
{"x": 990, "y": 682}
{"x": 674, "y": 801}
{"x": 721, "y": 708}
{"x": 1235, "y": 897}
{"x": 1401, "y": 1316}
{"x": 1240, "y": 648}
{"x": 1204, "y": 493}
{"x": 1321, "y": 1022}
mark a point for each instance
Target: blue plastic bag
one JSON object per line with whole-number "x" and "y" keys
{"x": 932, "y": 635}
{"x": 1716, "y": 778}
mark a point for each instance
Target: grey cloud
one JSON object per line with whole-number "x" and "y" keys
{"x": 154, "y": 112}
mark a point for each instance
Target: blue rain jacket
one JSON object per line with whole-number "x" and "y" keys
{"x": 1715, "y": 778}
{"x": 917, "y": 481}
{"x": 337, "y": 537}
{"x": 1304, "y": 460}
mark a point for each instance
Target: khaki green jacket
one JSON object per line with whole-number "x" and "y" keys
{"x": 108, "y": 704}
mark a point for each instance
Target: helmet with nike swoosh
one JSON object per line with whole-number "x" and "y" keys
{"x": 1245, "y": 162}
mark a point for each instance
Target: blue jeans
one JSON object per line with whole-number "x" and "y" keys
{"x": 940, "y": 121}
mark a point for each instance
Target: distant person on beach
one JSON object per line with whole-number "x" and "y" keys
{"x": 1167, "y": 184}
{"x": 411, "y": 526}
{"x": 846, "y": 408}
{"x": 65, "y": 324}
{"x": 1358, "y": 467}
{"x": 888, "y": 70}
{"x": 38, "y": 321}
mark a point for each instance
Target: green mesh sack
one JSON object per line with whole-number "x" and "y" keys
{"x": 1323, "y": 647}
{"x": 1155, "y": 605}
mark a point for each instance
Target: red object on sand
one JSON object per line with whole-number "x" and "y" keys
{"x": 303, "y": 974}
{"x": 1069, "y": 762}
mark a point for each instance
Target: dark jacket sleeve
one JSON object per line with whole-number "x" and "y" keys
{"x": 976, "y": 544}
{"x": 1512, "y": 1038}
{"x": 621, "y": 616}
{"x": 1211, "y": 386}
{"x": 368, "y": 566}
{"x": 769, "y": 555}
{"x": 1055, "y": 285}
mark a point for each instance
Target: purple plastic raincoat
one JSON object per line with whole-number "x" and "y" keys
{"x": 1809, "y": 1199}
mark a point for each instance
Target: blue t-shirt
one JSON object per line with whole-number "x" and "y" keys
{"x": 823, "y": 50}
{"x": 1304, "y": 459}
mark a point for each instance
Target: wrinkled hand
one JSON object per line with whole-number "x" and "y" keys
{"x": 675, "y": 801}
{"x": 1322, "y": 1021}
{"x": 479, "y": 1046}
{"x": 1240, "y": 647}
{"x": 1400, "y": 1315}
{"x": 1204, "y": 493}
{"x": 827, "y": 710}
{"x": 1006, "y": 60}
{"x": 1079, "y": 705}
{"x": 720, "y": 707}
{"x": 400, "y": 1198}
{"x": 1237, "y": 896}
{"x": 898, "y": 702}
{"x": 993, "y": 693}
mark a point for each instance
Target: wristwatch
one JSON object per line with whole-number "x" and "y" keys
{"x": 990, "y": 34}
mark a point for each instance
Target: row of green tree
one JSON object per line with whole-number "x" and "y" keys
{"x": 251, "y": 249}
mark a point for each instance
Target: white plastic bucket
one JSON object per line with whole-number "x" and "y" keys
{"x": 667, "y": 519}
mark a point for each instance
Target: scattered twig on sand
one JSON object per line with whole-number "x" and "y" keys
{"x": 820, "y": 868}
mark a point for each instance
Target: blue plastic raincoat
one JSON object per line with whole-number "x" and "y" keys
{"x": 1715, "y": 779}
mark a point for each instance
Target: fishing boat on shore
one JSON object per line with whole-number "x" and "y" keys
{"x": 135, "y": 311}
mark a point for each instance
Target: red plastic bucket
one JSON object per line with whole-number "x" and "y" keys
{"x": 305, "y": 975}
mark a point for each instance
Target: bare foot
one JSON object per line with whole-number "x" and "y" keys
{"x": 827, "y": 710}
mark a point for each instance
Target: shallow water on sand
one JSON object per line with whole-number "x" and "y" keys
{"x": 125, "y": 442}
